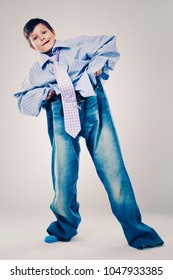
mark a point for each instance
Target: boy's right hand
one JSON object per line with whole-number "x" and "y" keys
{"x": 51, "y": 94}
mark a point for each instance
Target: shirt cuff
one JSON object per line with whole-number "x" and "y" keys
{"x": 97, "y": 64}
{"x": 46, "y": 90}
{"x": 84, "y": 86}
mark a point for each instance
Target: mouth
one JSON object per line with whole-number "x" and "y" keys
{"x": 45, "y": 43}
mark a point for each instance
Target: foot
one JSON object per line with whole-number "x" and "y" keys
{"x": 50, "y": 239}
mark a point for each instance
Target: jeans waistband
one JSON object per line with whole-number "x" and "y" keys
{"x": 79, "y": 97}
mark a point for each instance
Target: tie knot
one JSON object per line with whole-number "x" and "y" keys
{"x": 53, "y": 58}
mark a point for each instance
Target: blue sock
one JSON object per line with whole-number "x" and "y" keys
{"x": 50, "y": 239}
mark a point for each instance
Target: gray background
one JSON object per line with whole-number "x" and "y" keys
{"x": 140, "y": 95}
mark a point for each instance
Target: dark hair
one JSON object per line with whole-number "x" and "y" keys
{"x": 31, "y": 24}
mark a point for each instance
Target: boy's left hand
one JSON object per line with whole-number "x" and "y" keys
{"x": 97, "y": 73}
{"x": 51, "y": 94}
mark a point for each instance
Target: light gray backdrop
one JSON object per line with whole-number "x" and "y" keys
{"x": 139, "y": 91}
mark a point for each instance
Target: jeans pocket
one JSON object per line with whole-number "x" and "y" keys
{"x": 57, "y": 107}
{"x": 91, "y": 102}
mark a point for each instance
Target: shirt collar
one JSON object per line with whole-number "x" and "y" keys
{"x": 43, "y": 58}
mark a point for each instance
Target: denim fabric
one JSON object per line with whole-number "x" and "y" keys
{"x": 103, "y": 145}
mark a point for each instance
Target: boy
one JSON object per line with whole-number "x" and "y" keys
{"x": 87, "y": 60}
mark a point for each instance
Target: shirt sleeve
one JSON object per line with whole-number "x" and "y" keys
{"x": 103, "y": 54}
{"x": 30, "y": 102}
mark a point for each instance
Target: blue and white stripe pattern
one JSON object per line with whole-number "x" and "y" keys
{"x": 81, "y": 57}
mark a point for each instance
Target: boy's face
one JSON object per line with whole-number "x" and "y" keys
{"x": 42, "y": 39}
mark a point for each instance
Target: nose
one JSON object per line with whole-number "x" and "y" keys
{"x": 41, "y": 37}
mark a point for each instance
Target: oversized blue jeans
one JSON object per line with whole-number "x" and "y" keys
{"x": 103, "y": 145}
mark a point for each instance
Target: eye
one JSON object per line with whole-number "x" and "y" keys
{"x": 34, "y": 38}
{"x": 44, "y": 32}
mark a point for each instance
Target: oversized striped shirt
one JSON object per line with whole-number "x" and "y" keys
{"x": 81, "y": 57}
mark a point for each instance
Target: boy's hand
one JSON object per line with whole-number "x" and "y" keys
{"x": 51, "y": 94}
{"x": 97, "y": 73}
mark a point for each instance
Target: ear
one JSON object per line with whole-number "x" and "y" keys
{"x": 53, "y": 31}
{"x": 32, "y": 47}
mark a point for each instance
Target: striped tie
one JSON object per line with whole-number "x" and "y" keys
{"x": 69, "y": 103}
